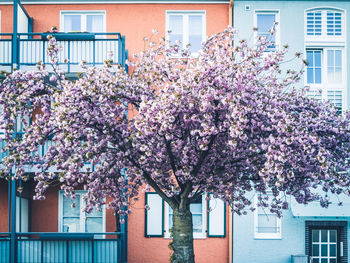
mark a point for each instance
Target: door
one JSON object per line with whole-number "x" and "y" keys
{"x": 325, "y": 245}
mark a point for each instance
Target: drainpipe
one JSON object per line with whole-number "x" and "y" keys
{"x": 230, "y": 13}
{"x": 15, "y": 35}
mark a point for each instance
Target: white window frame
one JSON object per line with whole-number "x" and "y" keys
{"x": 276, "y": 12}
{"x": 185, "y": 28}
{"x": 258, "y": 235}
{"x": 324, "y": 38}
{"x": 82, "y": 213}
{"x": 196, "y": 235}
{"x": 83, "y": 14}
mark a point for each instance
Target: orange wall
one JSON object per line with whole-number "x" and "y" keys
{"x": 3, "y": 205}
{"x": 155, "y": 249}
{"x": 135, "y": 21}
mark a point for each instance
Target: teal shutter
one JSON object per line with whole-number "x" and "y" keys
{"x": 216, "y": 217}
{"x": 154, "y": 219}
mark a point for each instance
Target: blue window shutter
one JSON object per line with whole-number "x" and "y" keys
{"x": 216, "y": 217}
{"x": 154, "y": 216}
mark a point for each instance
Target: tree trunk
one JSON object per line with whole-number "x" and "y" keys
{"x": 182, "y": 233}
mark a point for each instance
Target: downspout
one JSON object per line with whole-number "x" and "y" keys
{"x": 230, "y": 13}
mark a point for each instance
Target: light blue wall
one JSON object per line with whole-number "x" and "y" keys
{"x": 246, "y": 249}
{"x": 291, "y": 24}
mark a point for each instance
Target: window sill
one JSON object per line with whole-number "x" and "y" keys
{"x": 268, "y": 236}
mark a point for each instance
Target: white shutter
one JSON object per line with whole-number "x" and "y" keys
{"x": 154, "y": 222}
{"x": 216, "y": 217}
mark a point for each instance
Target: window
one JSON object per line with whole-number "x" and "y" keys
{"x": 186, "y": 27}
{"x": 198, "y": 210}
{"x": 324, "y": 245}
{"x": 73, "y": 219}
{"x": 83, "y": 21}
{"x": 267, "y": 225}
{"x": 324, "y": 23}
{"x": 208, "y": 217}
{"x": 325, "y": 73}
{"x": 265, "y": 21}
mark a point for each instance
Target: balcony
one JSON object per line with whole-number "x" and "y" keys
{"x": 63, "y": 247}
{"x": 93, "y": 48}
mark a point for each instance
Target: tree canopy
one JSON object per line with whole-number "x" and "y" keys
{"x": 228, "y": 121}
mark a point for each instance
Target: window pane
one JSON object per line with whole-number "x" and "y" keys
{"x": 324, "y": 250}
{"x": 324, "y": 260}
{"x": 176, "y": 28}
{"x": 94, "y": 213}
{"x": 265, "y": 22}
{"x": 315, "y": 260}
{"x": 315, "y": 235}
{"x": 71, "y": 225}
{"x": 318, "y": 76}
{"x": 267, "y": 223}
{"x": 330, "y": 58}
{"x": 324, "y": 235}
{"x": 71, "y": 207}
{"x": 315, "y": 250}
{"x": 332, "y": 260}
{"x": 338, "y": 58}
{"x": 72, "y": 23}
{"x": 197, "y": 223}
{"x": 333, "y": 236}
{"x": 310, "y": 58}
{"x": 317, "y": 58}
{"x": 93, "y": 225}
{"x": 195, "y": 32}
{"x": 310, "y": 75}
{"x": 332, "y": 250}
{"x": 94, "y": 23}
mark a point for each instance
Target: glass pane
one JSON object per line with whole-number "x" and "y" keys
{"x": 332, "y": 260}
{"x": 197, "y": 223}
{"x": 317, "y": 58}
{"x": 310, "y": 75}
{"x": 94, "y": 23}
{"x": 324, "y": 250}
{"x": 315, "y": 235}
{"x": 94, "y": 213}
{"x": 265, "y": 22}
{"x": 332, "y": 250}
{"x": 195, "y": 32}
{"x": 72, "y": 23}
{"x": 196, "y": 208}
{"x": 324, "y": 260}
{"x": 71, "y": 225}
{"x": 310, "y": 58}
{"x": 338, "y": 58}
{"x": 71, "y": 207}
{"x": 324, "y": 235}
{"x": 318, "y": 76}
{"x": 333, "y": 235}
{"x": 315, "y": 260}
{"x": 315, "y": 250}
{"x": 330, "y": 58}
{"x": 176, "y": 28}
{"x": 267, "y": 224}
{"x": 170, "y": 221}
{"x": 93, "y": 225}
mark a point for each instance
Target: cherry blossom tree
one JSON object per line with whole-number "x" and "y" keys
{"x": 229, "y": 121}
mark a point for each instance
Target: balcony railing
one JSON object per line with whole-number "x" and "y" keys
{"x": 93, "y": 48}
{"x": 63, "y": 247}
